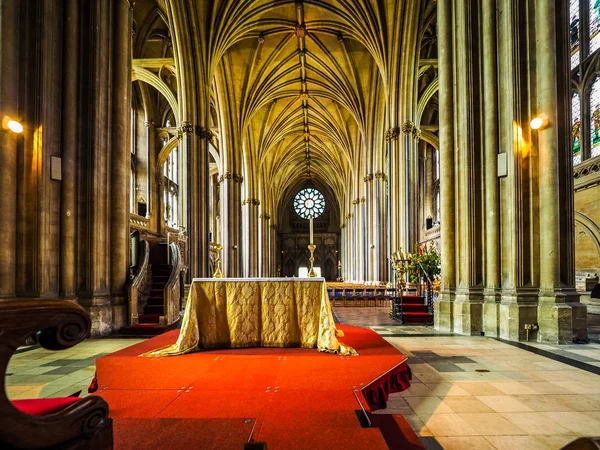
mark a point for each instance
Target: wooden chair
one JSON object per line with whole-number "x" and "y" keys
{"x": 57, "y": 423}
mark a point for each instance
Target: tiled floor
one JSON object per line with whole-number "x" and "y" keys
{"x": 467, "y": 392}
{"x": 479, "y": 393}
{"x": 41, "y": 373}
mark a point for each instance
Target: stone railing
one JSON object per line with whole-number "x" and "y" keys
{"x": 172, "y": 290}
{"x": 138, "y": 283}
{"x": 138, "y": 221}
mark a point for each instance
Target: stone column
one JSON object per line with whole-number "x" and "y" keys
{"x": 491, "y": 318}
{"x": 468, "y": 305}
{"x": 252, "y": 251}
{"x": 265, "y": 253}
{"x": 120, "y": 160}
{"x": 9, "y": 91}
{"x": 231, "y": 223}
{"x": 68, "y": 201}
{"x": 195, "y": 142}
{"x": 561, "y": 317}
{"x": 94, "y": 175}
{"x": 444, "y": 310}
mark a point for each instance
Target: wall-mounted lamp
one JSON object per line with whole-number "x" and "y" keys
{"x": 12, "y": 125}
{"x": 539, "y": 122}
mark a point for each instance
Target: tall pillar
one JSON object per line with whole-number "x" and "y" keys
{"x": 120, "y": 160}
{"x": 252, "y": 253}
{"x": 444, "y": 310}
{"x": 9, "y": 89}
{"x": 491, "y": 317}
{"x": 561, "y": 317}
{"x": 94, "y": 177}
{"x": 265, "y": 251}
{"x": 195, "y": 143}
{"x": 468, "y": 304}
{"x": 231, "y": 222}
{"x": 68, "y": 201}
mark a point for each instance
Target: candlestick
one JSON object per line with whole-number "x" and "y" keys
{"x": 311, "y": 248}
{"x": 311, "y": 230}
{"x": 218, "y": 273}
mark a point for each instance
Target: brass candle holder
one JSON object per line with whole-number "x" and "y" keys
{"x": 218, "y": 273}
{"x": 400, "y": 259}
{"x": 311, "y": 272}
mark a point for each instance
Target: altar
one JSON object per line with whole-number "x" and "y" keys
{"x": 257, "y": 312}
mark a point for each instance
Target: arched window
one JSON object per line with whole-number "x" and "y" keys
{"x": 436, "y": 186}
{"x": 595, "y": 117}
{"x": 171, "y": 189}
{"x": 574, "y": 28}
{"x": 133, "y": 180}
{"x": 576, "y": 117}
{"x": 594, "y": 25}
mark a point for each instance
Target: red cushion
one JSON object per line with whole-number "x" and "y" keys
{"x": 43, "y": 406}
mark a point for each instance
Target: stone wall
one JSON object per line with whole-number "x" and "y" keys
{"x": 587, "y": 229}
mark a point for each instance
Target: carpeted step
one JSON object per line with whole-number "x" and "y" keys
{"x": 155, "y": 301}
{"x": 415, "y": 307}
{"x": 154, "y": 309}
{"x": 412, "y": 299}
{"x": 417, "y": 317}
{"x": 149, "y": 318}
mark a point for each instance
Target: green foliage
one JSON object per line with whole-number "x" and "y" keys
{"x": 425, "y": 258}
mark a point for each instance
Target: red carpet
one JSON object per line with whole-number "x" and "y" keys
{"x": 290, "y": 398}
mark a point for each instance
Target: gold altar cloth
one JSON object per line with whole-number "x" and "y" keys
{"x": 262, "y": 312}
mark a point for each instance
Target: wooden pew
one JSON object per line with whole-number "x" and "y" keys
{"x": 57, "y": 423}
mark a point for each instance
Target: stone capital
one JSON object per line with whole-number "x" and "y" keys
{"x": 392, "y": 134}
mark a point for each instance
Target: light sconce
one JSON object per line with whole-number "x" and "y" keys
{"x": 12, "y": 125}
{"x": 539, "y": 122}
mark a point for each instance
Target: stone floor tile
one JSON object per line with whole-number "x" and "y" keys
{"x": 557, "y": 441}
{"x": 579, "y": 423}
{"x": 418, "y": 390}
{"x": 543, "y": 403}
{"x": 545, "y": 387}
{"x": 449, "y": 425}
{"x": 517, "y": 443}
{"x": 492, "y": 424}
{"x": 467, "y": 405}
{"x": 417, "y": 425}
{"x": 503, "y": 403}
{"x": 447, "y": 389}
{"x": 535, "y": 423}
{"x": 512, "y": 387}
{"x": 578, "y": 387}
{"x": 479, "y": 388}
{"x": 464, "y": 443}
{"x": 580, "y": 403}
{"x": 428, "y": 405}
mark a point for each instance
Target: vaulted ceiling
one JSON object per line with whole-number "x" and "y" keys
{"x": 302, "y": 93}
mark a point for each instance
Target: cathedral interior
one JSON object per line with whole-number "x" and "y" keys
{"x": 147, "y": 143}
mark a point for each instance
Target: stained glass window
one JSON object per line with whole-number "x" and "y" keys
{"x": 574, "y": 28}
{"x": 595, "y": 117}
{"x": 576, "y": 124}
{"x": 171, "y": 189}
{"x": 309, "y": 203}
{"x": 594, "y": 25}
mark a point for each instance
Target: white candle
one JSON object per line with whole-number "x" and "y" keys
{"x": 311, "y": 229}
{"x": 217, "y": 232}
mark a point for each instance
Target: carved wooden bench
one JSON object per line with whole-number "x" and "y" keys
{"x": 58, "y": 423}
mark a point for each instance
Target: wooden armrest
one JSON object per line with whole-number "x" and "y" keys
{"x": 58, "y": 324}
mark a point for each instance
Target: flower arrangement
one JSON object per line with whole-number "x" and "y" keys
{"x": 426, "y": 258}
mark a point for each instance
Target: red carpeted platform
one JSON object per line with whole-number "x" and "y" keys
{"x": 287, "y": 397}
